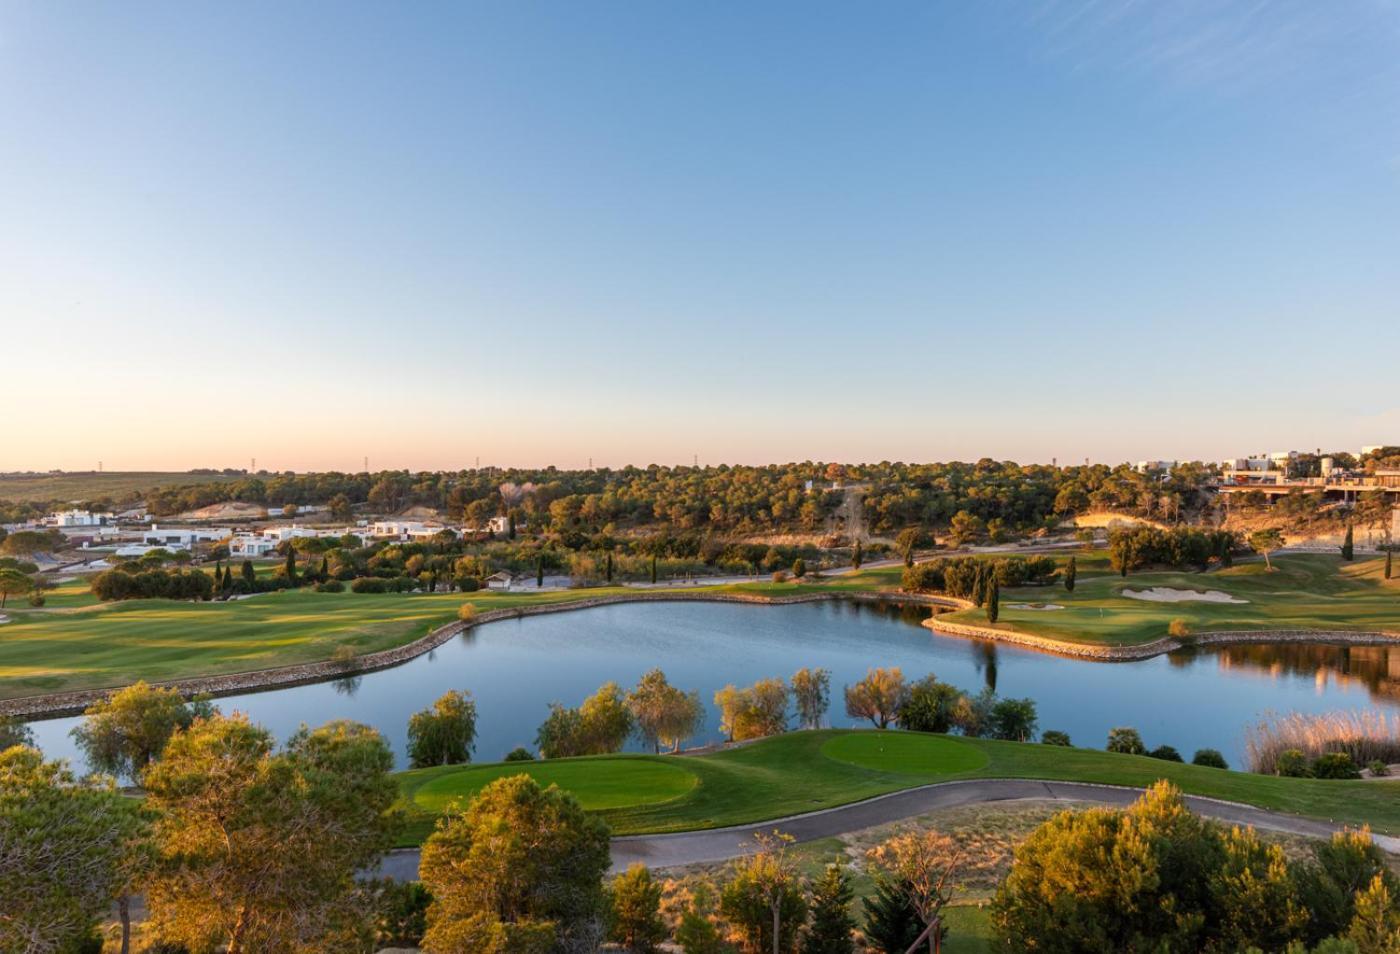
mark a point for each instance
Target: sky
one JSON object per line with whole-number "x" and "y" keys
{"x": 633, "y": 232}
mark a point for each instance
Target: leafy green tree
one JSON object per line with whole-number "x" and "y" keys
{"x": 993, "y": 601}
{"x": 965, "y": 528}
{"x": 1348, "y": 545}
{"x": 906, "y": 542}
{"x": 763, "y": 899}
{"x": 753, "y": 712}
{"x": 878, "y": 697}
{"x": 1126, "y": 741}
{"x": 1014, "y": 720}
{"x": 831, "y": 925}
{"x": 663, "y": 713}
{"x": 811, "y": 693}
{"x": 258, "y": 850}
{"x": 127, "y": 731}
{"x": 1165, "y": 753}
{"x": 1254, "y": 895}
{"x": 13, "y": 582}
{"x": 1266, "y": 542}
{"x": 1054, "y": 737}
{"x": 63, "y": 850}
{"x": 1211, "y": 758}
{"x": 696, "y": 933}
{"x": 518, "y": 863}
{"x": 1071, "y": 571}
{"x": 891, "y": 923}
{"x": 609, "y": 567}
{"x": 929, "y": 706}
{"x": 599, "y": 726}
{"x": 250, "y": 575}
{"x": 444, "y": 734}
{"x": 799, "y": 568}
{"x": 289, "y": 569}
{"x": 636, "y": 910}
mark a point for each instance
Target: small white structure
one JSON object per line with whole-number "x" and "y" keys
{"x": 182, "y": 538}
{"x": 293, "y": 532}
{"x": 1147, "y": 466}
{"x": 500, "y": 580}
{"x": 249, "y": 546}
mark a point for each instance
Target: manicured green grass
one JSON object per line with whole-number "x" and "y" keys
{"x": 1304, "y": 591}
{"x": 628, "y": 782}
{"x": 805, "y": 771}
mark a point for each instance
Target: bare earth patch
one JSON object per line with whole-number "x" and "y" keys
{"x": 1038, "y": 607}
{"x": 1168, "y": 594}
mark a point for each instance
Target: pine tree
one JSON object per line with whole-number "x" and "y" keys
{"x": 539, "y": 572}
{"x": 250, "y": 575}
{"x": 653, "y": 568}
{"x": 609, "y": 567}
{"x": 829, "y": 931}
{"x": 993, "y": 601}
{"x": 891, "y": 923}
{"x": 1348, "y": 549}
{"x": 1070, "y": 571}
{"x": 291, "y": 566}
{"x": 857, "y": 556}
{"x": 227, "y": 583}
{"x": 325, "y": 572}
{"x": 218, "y": 574}
{"x": 1387, "y": 563}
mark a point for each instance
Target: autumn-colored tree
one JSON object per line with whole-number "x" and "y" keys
{"x": 811, "y": 692}
{"x": 258, "y": 850}
{"x": 1266, "y": 542}
{"x": 877, "y": 697}
{"x": 753, "y": 712}
{"x": 764, "y": 899}
{"x": 636, "y": 910}
{"x": 598, "y": 727}
{"x": 664, "y": 714}
{"x": 924, "y": 865}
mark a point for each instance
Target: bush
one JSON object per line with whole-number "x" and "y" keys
{"x": 1365, "y": 735}
{"x": 343, "y": 656}
{"x": 1166, "y": 753}
{"x": 1292, "y": 763}
{"x": 468, "y": 584}
{"x": 330, "y": 586}
{"x": 1125, "y": 741}
{"x": 1179, "y": 629}
{"x": 519, "y": 754}
{"x": 466, "y": 612}
{"x": 402, "y": 915}
{"x": 1335, "y": 765}
{"x": 779, "y": 576}
{"x": 1055, "y": 737}
{"x": 1210, "y": 758}
{"x": 36, "y": 598}
{"x": 1378, "y": 769}
{"x": 369, "y": 584}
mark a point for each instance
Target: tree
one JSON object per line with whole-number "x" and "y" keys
{"x": 857, "y": 555}
{"x": 965, "y": 528}
{"x": 539, "y": 571}
{"x": 653, "y": 569}
{"x": 14, "y": 732}
{"x": 1071, "y": 570}
{"x": 1211, "y": 758}
{"x": 799, "y": 568}
{"x": 516, "y": 862}
{"x": 831, "y": 924}
{"x": 258, "y": 850}
{"x": 1014, "y": 720}
{"x": 12, "y": 581}
{"x": 891, "y": 922}
{"x": 127, "y": 731}
{"x": 1388, "y": 554}
{"x": 1266, "y": 542}
{"x": 250, "y": 575}
{"x": 609, "y": 565}
{"x": 811, "y": 691}
{"x": 877, "y": 697}
{"x": 763, "y": 898}
{"x": 63, "y": 843}
{"x": 340, "y": 507}
{"x": 906, "y": 542}
{"x": 923, "y": 865}
{"x": 930, "y": 706}
{"x": 663, "y": 713}
{"x": 753, "y": 712}
{"x": 444, "y": 734}
{"x": 1348, "y": 545}
{"x": 1125, "y": 741}
{"x": 289, "y": 569}
{"x": 636, "y": 910}
{"x": 993, "y": 601}
{"x": 598, "y": 727}
{"x": 1375, "y": 927}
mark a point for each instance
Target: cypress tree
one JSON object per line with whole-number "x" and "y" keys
{"x": 609, "y": 567}
{"x": 829, "y": 931}
{"x": 890, "y": 920}
{"x": 653, "y": 568}
{"x": 993, "y": 601}
{"x": 1070, "y": 571}
{"x": 857, "y": 556}
{"x": 250, "y": 576}
{"x": 979, "y": 583}
{"x": 291, "y": 566}
{"x": 510, "y": 525}
{"x": 218, "y": 574}
{"x": 539, "y": 572}
{"x": 1348, "y": 550}
{"x": 228, "y": 579}
{"x": 1388, "y": 551}
{"x": 325, "y": 572}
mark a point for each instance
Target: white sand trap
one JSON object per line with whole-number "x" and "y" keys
{"x": 1038, "y": 607}
{"x": 3, "y": 619}
{"x": 1167, "y": 594}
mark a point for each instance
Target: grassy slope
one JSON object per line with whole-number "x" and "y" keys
{"x": 76, "y": 643}
{"x": 805, "y": 771}
{"x": 1305, "y": 591}
{"x": 90, "y": 486}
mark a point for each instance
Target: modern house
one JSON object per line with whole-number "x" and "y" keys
{"x": 182, "y": 538}
{"x": 80, "y": 518}
{"x": 293, "y": 532}
{"x": 249, "y": 546}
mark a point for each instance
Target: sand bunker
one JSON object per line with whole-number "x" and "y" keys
{"x": 3, "y": 619}
{"x": 1034, "y": 606}
{"x": 1167, "y": 594}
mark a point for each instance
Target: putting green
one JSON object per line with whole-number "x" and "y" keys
{"x": 598, "y": 784}
{"x": 906, "y": 753}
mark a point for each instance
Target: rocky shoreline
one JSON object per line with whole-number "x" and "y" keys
{"x": 1166, "y": 644}
{"x": 54, "y": 705}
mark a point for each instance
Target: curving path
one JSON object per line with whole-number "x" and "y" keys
{"x": 721, "y": 844}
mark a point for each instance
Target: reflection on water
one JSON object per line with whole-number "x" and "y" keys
{"x": 515, "y": 668}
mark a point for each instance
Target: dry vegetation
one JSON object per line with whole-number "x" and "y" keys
{"x": 1365, "y": 735}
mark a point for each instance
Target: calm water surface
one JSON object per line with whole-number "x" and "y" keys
{"x": 515, "y": 668}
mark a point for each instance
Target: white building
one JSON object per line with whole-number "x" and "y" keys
{"x": 500, "y": 580}
{"x": 249, "y": 547}
{"x": 405, "y": 530}
{"x": 79, "y": 518}
{"x": 1147, "y": 466}
{"x": 182, "y": 538}
{"x": 278, "y": 534}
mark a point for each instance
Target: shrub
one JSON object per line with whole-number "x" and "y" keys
{"x": 1335, "y": 765}
{"x": 1166, "y": 753}
{"x": 330, "y": 586}
{"x": 369, "y": 584}
{"x": 36, "y": 598}
{"x": 1365, "y": 735}
{"x": 1125, "y": 741}
{"x": 779, "y": 576}
{"x": 1292, "y": 763}
{"x": 1178, "y": 628}
{"x": 1378, "y": 768}
{"x": 466, "y": 612}
{"x": 636, "y": 909}
{"x": 402, "y": 916}
{"x": 799, "y": 568}
{"x": 519, "y": 754}
{"x": 1210, "y": 758}
{"x": 1054, "y": 737}
{"x": 343, "y": 655}
{"x": 468, "y": 584}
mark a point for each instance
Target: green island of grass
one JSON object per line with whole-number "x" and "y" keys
{"x": 805, "y": 771}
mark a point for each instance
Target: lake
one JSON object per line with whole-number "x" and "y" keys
{"x": 515, "y": 668}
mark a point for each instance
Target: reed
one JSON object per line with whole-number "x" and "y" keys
{"x": 1366, "y": 735}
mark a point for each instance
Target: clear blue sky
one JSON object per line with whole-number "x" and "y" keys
{"x": 753, "y": 231}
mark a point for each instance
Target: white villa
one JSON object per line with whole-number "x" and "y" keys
{"x": 251, "y": 546}
{"x": 79, "y": 518}
{"x": 182, "y": 538}
{"x": 278, "y": 534}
